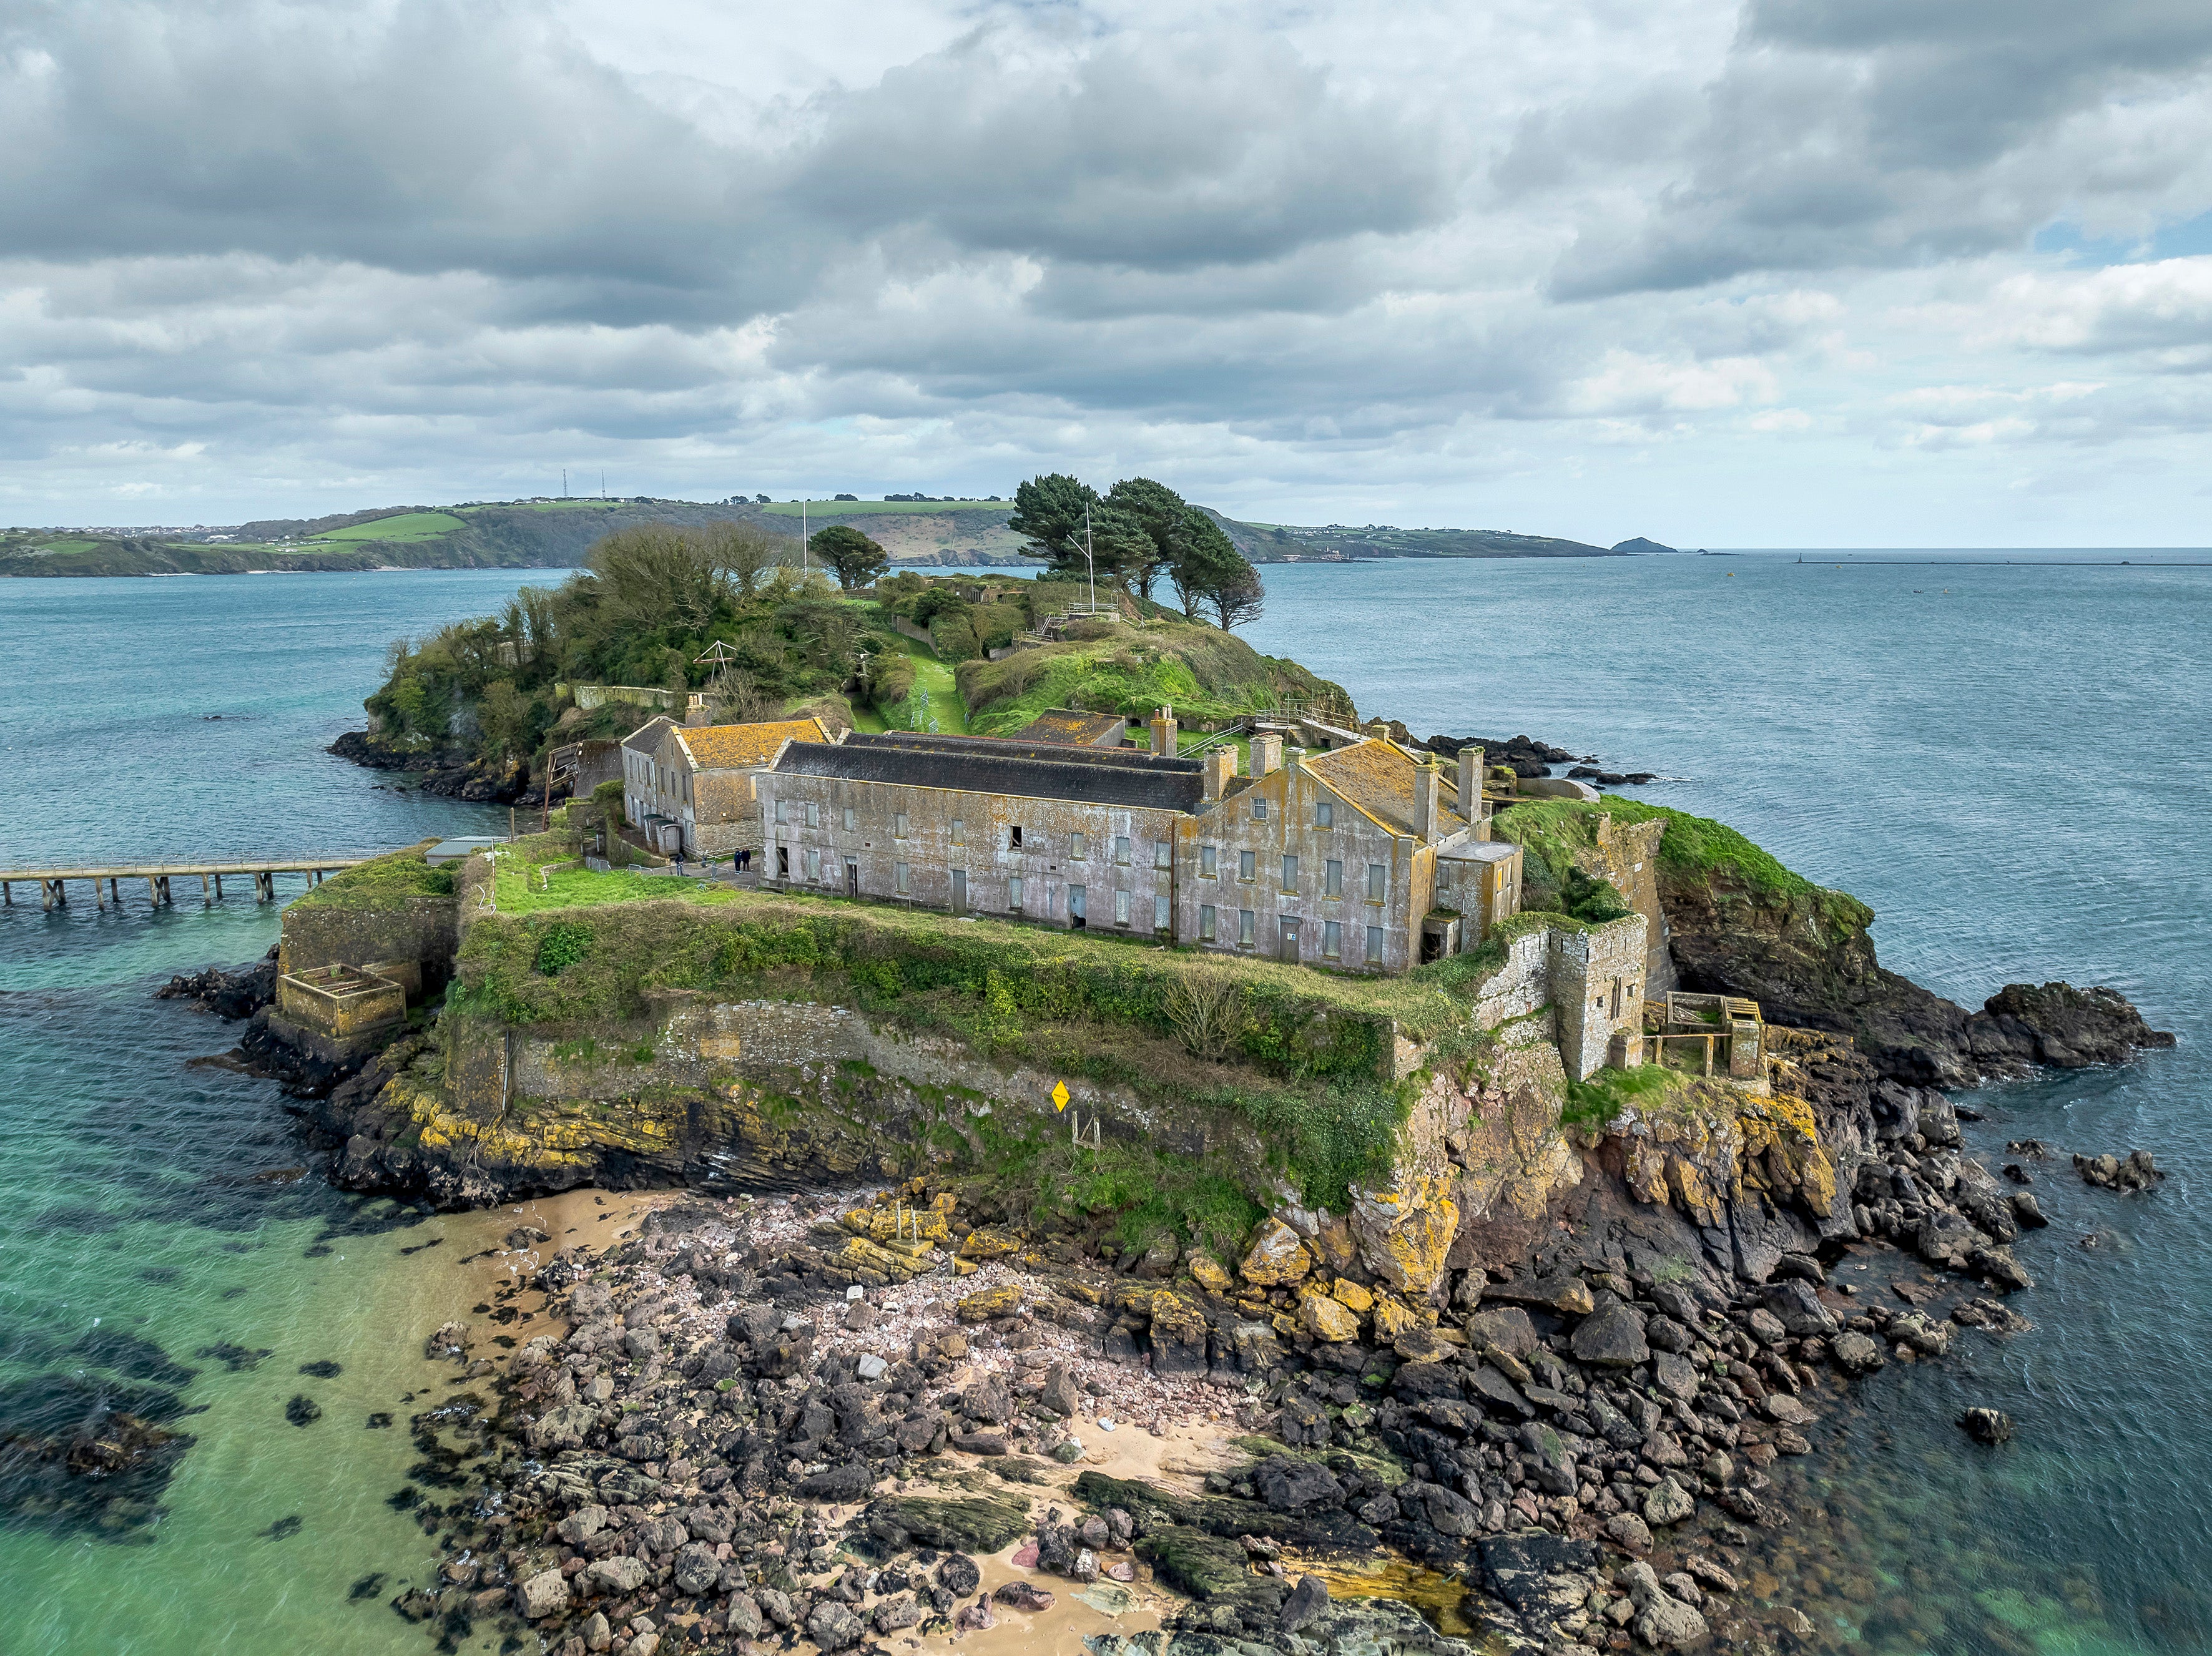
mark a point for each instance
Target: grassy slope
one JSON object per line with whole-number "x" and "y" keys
{"x": 407, "y": 526}
{"x": 393, "y": 877}
{"x": 1203, "y": 672}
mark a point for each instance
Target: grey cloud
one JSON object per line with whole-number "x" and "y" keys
{"x": 1842, "y": 134}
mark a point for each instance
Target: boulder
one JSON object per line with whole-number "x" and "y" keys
{"x": 1793, "y": 1303}
{"x": 834, "y": 1626}
{"x": 985, "y": 1303}
{"x": 2058, "y": 1025}
{"x": 958, "y": 1574}
{"x": 1856, "y": 1354}
{"x": 1667, "y": 1504}
{"x": 900, "y": 1610}
{"x": 1627, "y": 1531}
{"x": 1307, "y": 1601}
{"x": 1327, "y": 1318}
{"x": 564, "y": 1427}
{"x": 1059, "y": 1395}
{"x": 618, "y": 1575}
{"x": 1021, "y": 1595}
{"x": 1290, "y": 1485}
{"x": 1405, "y": 1231}
{"x": 545, "y": 1593}
{"x": 1676, "y": 1376}
{"x": 1611, "y": 1339}
{"x": 1275, "y": 1257}
{"x": 1987, "y": 1425}
{"x": 1178, "y": 1335}
{"x": 1505, "y": 1326}
{"x": 698, "y": 1569}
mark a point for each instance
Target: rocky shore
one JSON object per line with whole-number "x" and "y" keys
{"x": 888, "y": 1416}
{"x": 452, "y": 774}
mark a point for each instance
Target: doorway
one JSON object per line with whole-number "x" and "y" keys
{"x": 783, "y": 862}
{"x": 852, "y": 878}
{"x": 1076, "y": 914}
{"x": 959, "y": 891}
{"x": 1290, "y": 948}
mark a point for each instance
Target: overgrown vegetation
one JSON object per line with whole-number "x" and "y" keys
{"x": 1598, "y": 1102}
{"x": 381, "y": 882}
{"x": 1140, "y": 533}
{"x": 1695, "y": 853}
{"x": 1305, "y": 1056}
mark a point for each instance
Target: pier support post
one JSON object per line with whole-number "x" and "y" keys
{"x": 218, "y": 888}
{"x": 152, "y": 893}
{"x": 264, "y": 888}
{"x": 51, "y": 895}
{"x": 162, "y": 880}
{"x": 204, "y": 897}
{"x": 7, "y": 894}
{"x": 114, "y": 890}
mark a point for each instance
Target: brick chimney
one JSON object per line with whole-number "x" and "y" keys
{"x": 1470, "y": 790}
{"x": 1220, "y": 766}
{"x": 695, "y": 715}
{"x": 1267, "y": 754}
{"x": 1428, "y": 799}
{"x": 1164, "y": 732}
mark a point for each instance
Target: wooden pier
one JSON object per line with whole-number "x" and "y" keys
{"x": 106, "y": 879}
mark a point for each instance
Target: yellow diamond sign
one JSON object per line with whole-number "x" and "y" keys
{"x": 1060, "y": 1094}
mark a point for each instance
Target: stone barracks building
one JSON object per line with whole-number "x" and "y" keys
{"x": 1371, "y": 857}
{"x": 691, "y": 791}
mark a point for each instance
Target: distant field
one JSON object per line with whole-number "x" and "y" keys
{"x": 407, "y": 526}
{"x": 549, "y": 506}
{"x": 856, "y": 508}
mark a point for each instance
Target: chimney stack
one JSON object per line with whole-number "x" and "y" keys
{"x": 1220, "y": 768}
{"x": 695, "y": 714}
{"x": 1470, "y": 790}
{"x": 1164, "y": 732}
{"x": 1428, "y": 799}
{"x": 1267, "y": 754}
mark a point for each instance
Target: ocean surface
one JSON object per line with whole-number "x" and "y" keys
{"x": 2011, "y": 762}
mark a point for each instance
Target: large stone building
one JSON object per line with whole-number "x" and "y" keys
{"x": 1362, "y": 859}
{"x": 692, "y": 792}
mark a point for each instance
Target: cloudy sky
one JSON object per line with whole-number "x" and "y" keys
{"x": 1786, "y": 273}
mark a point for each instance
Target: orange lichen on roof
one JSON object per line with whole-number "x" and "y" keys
{"x": 1378, "y": 776}
{"x": 736, "y": 747}
{"x": 1077, "y": 729}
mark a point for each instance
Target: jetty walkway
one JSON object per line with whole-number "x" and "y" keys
{"x": 106, "y": 878}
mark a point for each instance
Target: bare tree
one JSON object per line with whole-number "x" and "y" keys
{"x": 1206, "y": 1011}
{"x": 746, "y": 553}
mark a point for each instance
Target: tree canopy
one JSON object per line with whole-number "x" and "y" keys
{"x": 1140, "y": 531}
{"x": 855, "y": 560}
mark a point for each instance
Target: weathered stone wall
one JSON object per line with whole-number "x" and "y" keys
{"x": 1596, "y": 985}
{"x": 1627, "y": 855}
{"x": 419, "y": 928}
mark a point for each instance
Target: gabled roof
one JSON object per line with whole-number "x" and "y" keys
{"x": 647, "y": 736}
{"x": 1376, "y": 775}
{"x": 1068, "y": 728}
{"x": 741, "y": 747}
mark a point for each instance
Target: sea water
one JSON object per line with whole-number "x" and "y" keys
{"x": 2010, "y": 764}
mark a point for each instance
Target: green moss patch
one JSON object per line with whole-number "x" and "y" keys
{"x": 381, "y": 882}
{"x": 1598, "y": 1102}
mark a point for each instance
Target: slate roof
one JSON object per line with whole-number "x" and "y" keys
{"x": 1378, "y": 776}
{"x": 647, "y": 736}
{"x": 738, "y": 747}
{"x": 1022, "y": 770}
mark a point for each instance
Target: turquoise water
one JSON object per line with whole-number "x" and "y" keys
{"x": 2010, "y": 764}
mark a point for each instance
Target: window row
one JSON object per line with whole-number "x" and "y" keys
{"x": 1289, "y": 934}
{"x": 808, "y": 813}
{"x": 1331, "y": 872}
{"x": 819, "y": 869}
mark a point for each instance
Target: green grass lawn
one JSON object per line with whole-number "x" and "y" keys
{"x": 935, "y": 676}
{"x": 407, "y": 526}
{"x": 849, "y": 509}
{"x": 517, "y": 890}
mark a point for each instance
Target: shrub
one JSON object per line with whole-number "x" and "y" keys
{"x": 560, "y": 945}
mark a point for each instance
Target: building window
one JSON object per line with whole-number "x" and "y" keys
{"x": 1206, "y": 861}
{"x": 1121, "y": 849}
{"x": 1374, "y": 945}
{"x": 1014, "y": 837}
{"x": 783, "y": 810}
{"x": 1014, "y": 894}
{"x": 813, "y": 815}
{"x": 1332, "y": 939}
{"x": 1160, "y": 911}
{"x": 1246, "y": 924}
{"x": 1324, "y": 813}
{"x": 851, "y": 822}
{"x": 1078, "y": 846}
{"x": 1259, "y": 810}
{"x": 1444, "y": 876}
{"x": 1332, "y": 878}
{"x": 898, "y": 824}
{"x": 1163, "y": 853}
{"x": 902, "y": 882}
{"x": 1377, "y": 873}
{"x": 1247, "y": 866}
{"x": 814, "y": 866}
{"x": 1290, "y": 873}
{"x": 959, "y": 832}
{"x": 1205, "y": 923}
{"x": 1120, "y": 908}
